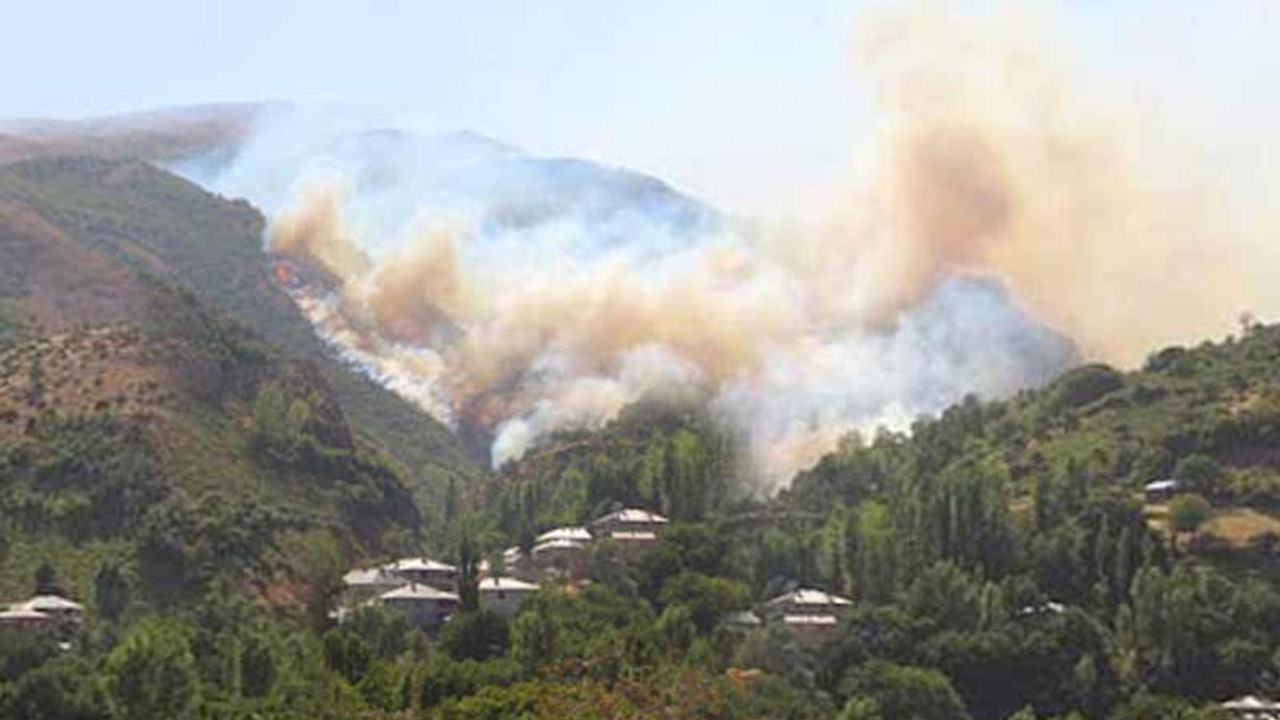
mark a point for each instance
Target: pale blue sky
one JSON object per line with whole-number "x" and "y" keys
{"x": 694, "y": 90}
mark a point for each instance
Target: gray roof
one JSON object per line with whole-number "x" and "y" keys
{"x": 418, "y": 592}
{"x": 809, "y": 596}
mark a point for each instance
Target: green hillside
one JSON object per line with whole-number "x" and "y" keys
{"x": 181, "y": 449}
{"x": 665, "y": 453}
{"x": 1211, "y": 413}
{"x": 139, "y": 217}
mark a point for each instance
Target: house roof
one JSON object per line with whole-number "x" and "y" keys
{"x": 1251, "y": 702}
{"x": 578, "y": 534}
{"x": 558, "y": 545}
{"x": 420, "y": 565}
{"x": 820, "y": 620}
{"x": 18, "y": 615}
{"x": 809, "y": 596}
{"x": 50, "y": 603}
{"x": 504, "y": 584}
{"x": 633, "y": 515}
{"x": 418, "y": 592}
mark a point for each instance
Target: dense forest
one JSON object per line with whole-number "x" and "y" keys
{"x": 171, "y": 459}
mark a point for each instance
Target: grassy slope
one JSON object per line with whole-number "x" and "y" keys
{"x": 154, "y": 221}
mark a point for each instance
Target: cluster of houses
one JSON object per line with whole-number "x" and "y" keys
{"x": 41, "y": 611}
{"x": 425, "y": 590}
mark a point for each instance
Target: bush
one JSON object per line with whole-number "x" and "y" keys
{"x": 1199, "y": 473}
{"x": 1188, "y": 512}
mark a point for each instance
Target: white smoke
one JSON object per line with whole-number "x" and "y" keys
{"x": 526, "y": 296}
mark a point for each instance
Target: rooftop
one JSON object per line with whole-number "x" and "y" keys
{"x": 1251, "y": 703}
{"x": 633, "y": 515}
{"x": 19, "y": 615}
{"x": 418, "y": 592}
{"x": 420, "y": 565}
{"x": 558, "y": 545}
{"x": 809, "y": 596}
{"x": 50, "y": 603}
{"x": 579, "y": 534}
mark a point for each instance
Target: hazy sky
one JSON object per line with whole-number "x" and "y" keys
{"x": 710, "y": 94}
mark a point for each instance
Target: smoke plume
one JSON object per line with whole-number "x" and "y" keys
{"x": 1003, "y": 203}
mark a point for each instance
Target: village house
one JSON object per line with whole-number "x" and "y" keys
{"x": 807, "y": 601}
{"x": 424, "y": 571}
{"x": 812, "y": 615}
{"x": 561, "y": 559}
{"x": 632, "y": 530}
{"x": 504, "y": 595}
{"x": 424, "y": 606}
{"x": 633, "y": 520}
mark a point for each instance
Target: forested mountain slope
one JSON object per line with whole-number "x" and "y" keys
{"x": 179, "y": 448}
{"x": 73, "y": 229}
{"x": 1215, "y": 406}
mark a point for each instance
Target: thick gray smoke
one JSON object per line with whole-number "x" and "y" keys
{"x": 521, "y": 296}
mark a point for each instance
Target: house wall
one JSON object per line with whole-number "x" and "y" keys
{"x": 504, "y": 602}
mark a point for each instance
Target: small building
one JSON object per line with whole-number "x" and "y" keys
{"x": 57, "y": 607}
{"x": 424, "y": 606}
{"x": 505, "y": 595}
{"x": 629, "y": 520}
{"x": 1251, "y": 707}
{"x": 807, "y": 601}
{"x": 424, "y": 571}
{"x": 25, "y": 619}
{"x": 561, "y": 559}
{"x": 1161, "y": 490}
